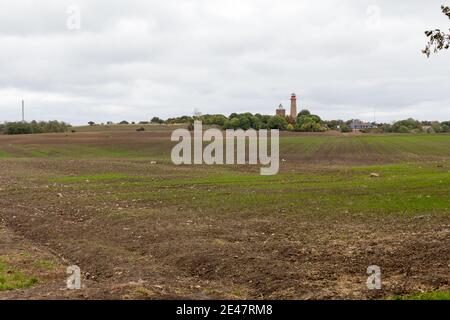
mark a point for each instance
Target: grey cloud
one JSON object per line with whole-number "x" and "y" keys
{"x": 138, "y": 59}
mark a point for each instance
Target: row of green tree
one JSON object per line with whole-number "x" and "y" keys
{"x": 33, "y": 127}
{"x": 404, "y": 126}
{"x": 412, "y": 126}
{"x": 305, "y": 122}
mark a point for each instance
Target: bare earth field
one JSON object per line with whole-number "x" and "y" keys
{"x": 140, "y": 230}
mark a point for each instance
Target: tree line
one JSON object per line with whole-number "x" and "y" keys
{"x": 34, "y": 127}
{"x": 304, "y": 122}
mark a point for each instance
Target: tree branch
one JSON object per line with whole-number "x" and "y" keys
{"x": 438, "y": 40}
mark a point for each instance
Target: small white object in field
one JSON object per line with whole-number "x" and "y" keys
{"x": 60, "y": 195}
{"x": 374, "y": 175}
{"x": 153, "y": 162}
{"x": 283, "y": 160}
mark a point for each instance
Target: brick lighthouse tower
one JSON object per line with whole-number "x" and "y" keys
{"x": 294, "y": 106}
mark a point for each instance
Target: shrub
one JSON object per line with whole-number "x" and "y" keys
{"x": 345, "y": 128}
{"x": 304, "y": 112}
{"x": 402, "y": 129}
{"x": 183, "y": 119}
{"x": 408, "y": 125}
{"x": 215, "y": 119}
{"x": 437, "y": 127}
{"x": 309, "y": 123}
{"x": 233, "y": 123}
{"x": 157, "y": 120}
{"x": 277, "y": 122}
{"x": 35, "y": 127}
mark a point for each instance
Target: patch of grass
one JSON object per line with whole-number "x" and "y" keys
{"x": 439, "y": 295}
{"x": 389, "y": 148}
{"x": 401, "y": 189}
{"x": 11, "y": 279}
{"x": 4, "y": 154}
{"x": 44, "y": 264}
{"x": 155, "y": 150}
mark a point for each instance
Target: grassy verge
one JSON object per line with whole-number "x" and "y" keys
{"x": 22, "y": 270}
{"x": 11, "y": 279}
{"x": 439, "y": 295}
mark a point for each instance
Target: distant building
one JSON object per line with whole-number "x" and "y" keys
{"x": 294, "y": 106}
{"x": 357, "y": 124}
{"x": 281, "y": 111}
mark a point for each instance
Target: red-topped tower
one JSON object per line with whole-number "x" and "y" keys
{"x": 293, "y": 106}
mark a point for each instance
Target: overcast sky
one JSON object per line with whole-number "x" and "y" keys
{"x": 137, "y": 59}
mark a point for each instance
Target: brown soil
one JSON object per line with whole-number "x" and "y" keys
{"x": 164, "y": 252}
